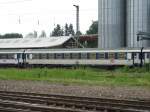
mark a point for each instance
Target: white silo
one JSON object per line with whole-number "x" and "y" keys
{"x": 138, "y": 19}
{"x": 111, "y": 23}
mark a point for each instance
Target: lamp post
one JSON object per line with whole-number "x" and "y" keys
{"x": 77, "y": 23}
{"x": 77, "y": 18}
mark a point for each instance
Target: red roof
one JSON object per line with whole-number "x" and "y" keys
{"x": 93, "y": 37}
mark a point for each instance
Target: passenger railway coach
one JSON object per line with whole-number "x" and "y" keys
{"x": 70, "y": 57}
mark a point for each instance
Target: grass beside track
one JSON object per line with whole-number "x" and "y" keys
{"x": 81, "y": 76}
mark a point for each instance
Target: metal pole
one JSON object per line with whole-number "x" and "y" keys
{"x": 77, "y": 18}
{"x": 141, "y": 57}
{"x": 77, "y": 23}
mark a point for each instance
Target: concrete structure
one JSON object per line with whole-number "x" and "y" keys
{"x": 121, "y": 20}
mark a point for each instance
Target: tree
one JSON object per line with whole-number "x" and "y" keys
{"x": 66, "y": 30}
{"x": 79, "y": 33}
{"x": 58, "y": 31}
{"x": 11, "y": 35}
{"x": 43, "y": 34}
{"x": 93, "y": 28}
{"x": 30, "y": 35}
{"x": 35, "y": 34}
{"x": 71, "y": 30}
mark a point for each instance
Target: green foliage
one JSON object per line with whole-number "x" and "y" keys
{"x": 120, "y": 77}
{"x": 58, "y": 31}
{"x": 79, "y": 33}
{"x": 69, "y": 30}
{"x": 11, "y": 35}
{"x": 93, "y": 28}
{"x": 128, "y": 69}
{"x": 90, "y": 44}
{"x": 64, "y": 31}
{"x": 43, "y": 34}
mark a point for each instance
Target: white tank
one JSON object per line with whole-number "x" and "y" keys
{"x": 111, "y": 23}
{"x": 138, "y": 19}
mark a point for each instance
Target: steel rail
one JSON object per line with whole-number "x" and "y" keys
{"x": 73, "y": 102}
{"x": 70, "y": 103}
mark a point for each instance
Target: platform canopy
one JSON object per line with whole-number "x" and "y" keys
{"x": 24, "y": 43}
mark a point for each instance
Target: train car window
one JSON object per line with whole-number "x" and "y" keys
{"x": 97, "y": 55}
{"x": 47, "y": 56}
{"x": 6, "y": 56}
{"x": 67, "y": 56}
{"x": 40, "y": 56}
{"x": 75, "y": 55}
{"x": 92, "y": 55}
{"x": 116, "y": 55}
{"x": 84, "y": 56}
{"x": 106, "y": 55}
{"x": 43, "y": 56}
{"x": 111, "y": 55}
{"x": 18, "y": 56}
{"x": 148, "y": 55}
{"x": 59, "y": 55}
{"x": 51, "y": 56}
{"x": 100, "y": 55}
{"x": 126, "y": 55}
{"x": 122, "y": 56}
{"x": 10, "y": 56}
{"x": 3, "y": 56}
{"x": 35, "y": 56}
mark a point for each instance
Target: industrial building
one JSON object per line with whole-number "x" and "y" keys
{"x": 38, "y": 43}
{"x": 121, "y": 20}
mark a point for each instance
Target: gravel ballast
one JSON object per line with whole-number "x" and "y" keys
{"x": 76, "y": 90}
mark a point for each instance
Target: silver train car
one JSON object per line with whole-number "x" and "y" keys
{"x": 11, "y": 57}
{"x": 64, "y": 57}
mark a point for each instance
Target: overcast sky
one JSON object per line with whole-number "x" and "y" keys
{"x": 48, "y": 12}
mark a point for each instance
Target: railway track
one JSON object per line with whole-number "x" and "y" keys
{"x": 33, "y": 102}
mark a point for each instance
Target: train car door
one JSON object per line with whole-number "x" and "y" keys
{"x": 24, "y": 57}
{"x": 19, "y": 58}
{"x": 138, "y": 57}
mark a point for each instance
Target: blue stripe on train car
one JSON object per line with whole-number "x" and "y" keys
{"x": 97, "y": 56}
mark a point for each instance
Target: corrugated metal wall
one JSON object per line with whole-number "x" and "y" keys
{"x": 111, "y": 23}
{"x": 120, "y": 21}
{"x": 138, "y": 19}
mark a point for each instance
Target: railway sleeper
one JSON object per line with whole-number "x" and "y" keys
{"x": 81, "y": 105}
{"x": 49, "y": 96}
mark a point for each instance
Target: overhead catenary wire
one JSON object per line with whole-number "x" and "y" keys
{"x": 12, "y": 2}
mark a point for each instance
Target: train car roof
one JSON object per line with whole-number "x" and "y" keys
{"x": 81, "y": 50}
{"x": 12, "y": 51}
{"x": 84, "y": 50}
{"x": 29, "y": 43}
